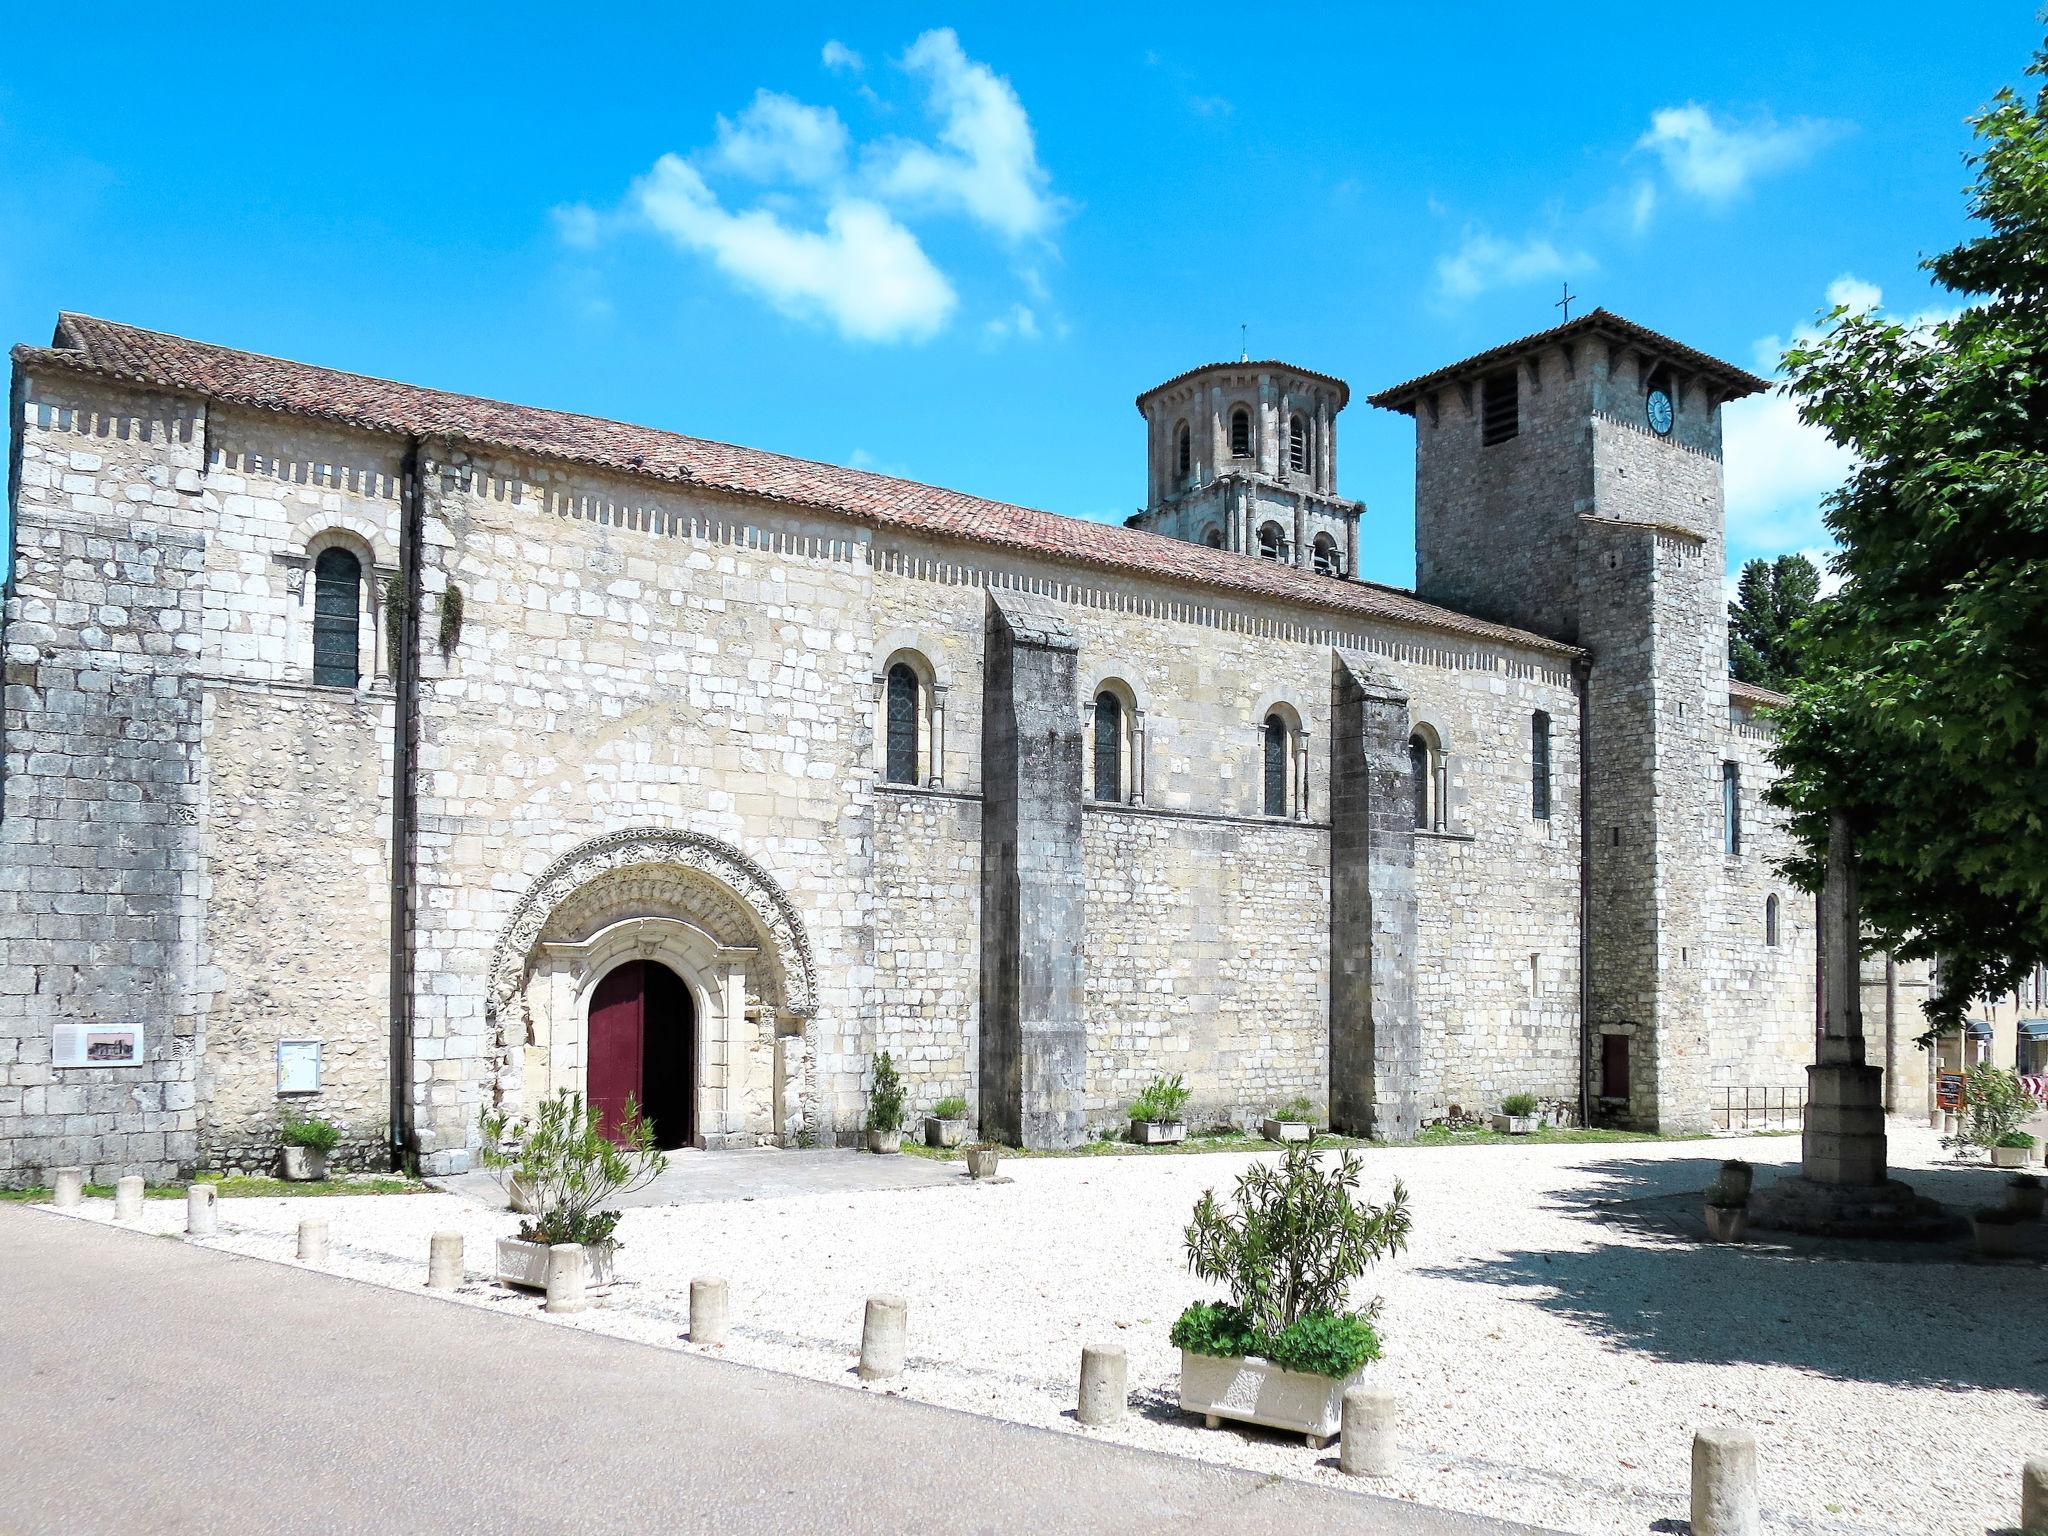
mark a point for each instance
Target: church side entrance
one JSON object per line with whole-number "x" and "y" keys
{"x": 643, "y": 1046}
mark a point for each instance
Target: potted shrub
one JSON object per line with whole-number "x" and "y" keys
{"x": 1738, "y": 1178}
{"x": 1996, "y": 1231}
{"x": 568, "y": 1168}
{"x": 946, "y": 1125}
{"x": 1727, "y": 1213}
{"x": 2014, "y": 1149}
{"x": 1292, "y": 1121}
{"x": 981, "y": 1160}
{"x": 1995, "y": 1105}
{"x": 1517, "y": 1115}
{"x": 885, "y": 1107}
{"x": 306, "y": 1145}
{"x": 1283, "y": 1349}
{"x": 1156, "y": 1113}
{"x": 2023, "y": 1192}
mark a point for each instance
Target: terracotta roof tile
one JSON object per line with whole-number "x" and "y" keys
{"x": 1752, "y": 693}
{"x": 248, "y": 379}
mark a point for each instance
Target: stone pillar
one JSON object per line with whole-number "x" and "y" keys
{"x": 312, "y": 1240}
{"x": 566, "y": 1278}
{"x": 1105, "y": 1389}
{"x": 1033, "y": 1046}
{"x": 1375, "y": 1030}
{"x": 1367, "y": 1447}
{"x": 128, "y": 1198}
{"x": 1137, "y": 757}
{"x": 1724, "y": 1483}
{"x": 68, "y": 1188}
{"x": 444, "y": 1261}
{"x": 710, "y": 1306}
{"x": 884, "y": 1338}
{"x": 1301, "y": 774}
{"x": 202, "y": 1213}
{"x": 937, "y": 780}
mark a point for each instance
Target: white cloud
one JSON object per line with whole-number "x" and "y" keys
{"x": 987, "y": 162}
{"x": 1017, "y": 321}
{"x": 1716, "y": 159}
{"x": 1642, "y": 206}
{"x": 1485, "y": 261}
{"x": 837, "y": 55}
{"x": 1851, "y": 290}
{"x": 579, "y": 225}
{"x": 864, "y": 273}
{"x": 778, "y": 138}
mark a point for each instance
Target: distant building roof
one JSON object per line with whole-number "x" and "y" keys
{"x": 1752, "y": 693}
{"x": 1273, "y": 364}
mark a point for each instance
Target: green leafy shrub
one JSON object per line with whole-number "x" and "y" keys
{"x": 885, "y": 1098}
{"x": 1162, "y": 1101}
{"x": 1297, "y": 1108}
{"x": 1518, "y": 1105}
{"x": 1326, "y": 1343}
{"x": 318, "y": 1135}
{"x": 1996, "y": 1102}
{"x": 569, "y": 1166}
{"x": 951, "y": 1107}
{"x": 2015, "y": 1139}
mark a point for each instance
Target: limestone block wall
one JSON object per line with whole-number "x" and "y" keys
{"x": 927, "y": 965}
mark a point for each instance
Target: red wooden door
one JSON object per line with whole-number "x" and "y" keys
{"x": 618, "y": 1027}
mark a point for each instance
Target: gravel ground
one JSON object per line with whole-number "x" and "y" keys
{"x": 1553, "y": 1336}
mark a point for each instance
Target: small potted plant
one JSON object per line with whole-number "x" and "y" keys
{"x": 1517, "y": 1115}
{"x": 1727, "y": 1213}
{"x": 1156, "y": 1113}
{"x": 1738, "y": 1178}
{"x": 2012, "y": 1149}
{"x": 946, "y": 1125}
{"x": 2023, "y": 1192}
{"x": 1284, "y": 1348}
{"x": 885, "y": 1107}
{"x": 981, "y": 1160}
{"x": 568, "y": 1169}
{"x": 306, "y": 1145}
{"x": 1292, "y": 1121}
{"x": 1996, "y": 1229}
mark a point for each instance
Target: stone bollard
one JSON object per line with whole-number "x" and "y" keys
{"x": 312, "y": 1239}
{"x": 202, "y": 1211}
{"x": 884, "y": 1337}
{"x": 444, "y": 1261}
{"x": 128, "y": 1198}
{"x": 1105, "y": 1374}
{"x": 2034, "y": 1497}
{"x": 1724, "y": 1483}
{"x": 1367, "y": 1448}
{"x": 710, "y": 1302}
{"x": 565, "y": 1278}
{"x": 68, "y": 1188}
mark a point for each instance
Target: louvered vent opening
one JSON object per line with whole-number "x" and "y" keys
{"x": 1499, "y": 417}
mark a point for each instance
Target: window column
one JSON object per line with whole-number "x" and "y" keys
{"x": 938, "y": 772}
{"x": 1301, "y": 774}
{"x": 1137, "y": 757}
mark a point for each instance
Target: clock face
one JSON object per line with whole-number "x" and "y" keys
{"x": 1660, "y": 412}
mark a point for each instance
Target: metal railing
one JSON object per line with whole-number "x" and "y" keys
{"x": 1760, "y": 1109}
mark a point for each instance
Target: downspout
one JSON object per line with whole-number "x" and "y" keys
{"x": 404, "y": 828}
{"x": 1580, "y": 673}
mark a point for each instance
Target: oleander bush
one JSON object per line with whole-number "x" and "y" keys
{"x": 1163, "y": 1101}
{"x": 569, "y": 1166}
{"x": 1996, "y": 1104}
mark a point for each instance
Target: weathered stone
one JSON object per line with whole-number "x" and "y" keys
{"x": 312, "y": 1240}
{"x": 884, "y": 1338}
{"x": 566, "y": 1291}
{"x": 1724, "y": 1483}
{"x": 202, "y": 1211}
{"x": 1369, "y": 1447}
{"x": 1105, "y": 1392}
{"x": 444, "y": 1261}
{"x": 710, "y": 1309}
{"x": 67, "y": 1188}
{"x": 128, "y": 1198}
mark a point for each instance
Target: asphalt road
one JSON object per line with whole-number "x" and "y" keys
{"x": 147, "y": 1385}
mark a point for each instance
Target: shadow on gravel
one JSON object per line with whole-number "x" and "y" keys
{"x": 1906, "y": 1314}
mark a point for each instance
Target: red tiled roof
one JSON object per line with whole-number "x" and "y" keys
{"x": 155, "y": 360}
{"x": 1737, "y": 381}
{"x": 1752, "y": 693}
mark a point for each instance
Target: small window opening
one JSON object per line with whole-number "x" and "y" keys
{"x": 1539, "y": 766}
{"x": 1109, "y": 747}
{"x": 1276, "y": 766}
{"x": 337, "y": 618}
{"x": 903, "y": 706}
{"x": 1328, "y": 563}
{"x": 1183, "y": 450}
{"x": 1731, "y": 808}
{"x": 1499, "y": 408}
{"x": 1272, "y": 546}
{"x": 1241, "y": 433}
{"x": 1771, "y": 921}
{"x": 1297, "y": 445}
{"x": 1213, "y": 538}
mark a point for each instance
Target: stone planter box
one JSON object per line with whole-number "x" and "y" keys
{"x": 1152, "y": 1133}
{"x": 944, "y": 1133}
{"x": 2025, "y": 1199}
{"x": 885, "y": 1141}
{"x": 2011, "y": 1157}
{"x": 981, "y": 1162}
{"x": 526, "y": 1264}
{"x": 1287, "y": 1130}
{"x": 304, "y": 1165}
{"x": 1514, "y": 1125}
{"x": 1738, "y": 1179}
{"x": 1727, "y": 1223}
{"x": 1995, "y": 1239}
{"x": 1257, "y": 1391}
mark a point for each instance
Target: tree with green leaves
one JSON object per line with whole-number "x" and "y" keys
{"x": 1923, "y": 705}
{"x": 1770, "y": 597}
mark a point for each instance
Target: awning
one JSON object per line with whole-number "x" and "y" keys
{"x": 2034, "y": 1029}
{"x": 1977, "y": 1029}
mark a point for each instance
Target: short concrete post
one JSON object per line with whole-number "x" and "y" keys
{"x": 202, "y": 1211}
{"x": 1105, "y": 1394}
{"x": 565, "y": 1278}
{"x": 1724, "y": 1483}
{"x": 2034, "y": 1497}
{"x": 128, "y": 1198}
{"x": 312, "y": 1239}
{"x": 1367, "y": 1448}
{"x": 444, "y": 1261}
{"x": 884, "y": 1338}
{"x": 710, "y": 1302}
{"x": 68, "y": 1188}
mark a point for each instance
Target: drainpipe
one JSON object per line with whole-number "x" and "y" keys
{"x": 1580, "y": 673}
{"x": 404, "y": 830}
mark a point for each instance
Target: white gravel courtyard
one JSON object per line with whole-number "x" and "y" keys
{"x": 1552, "y": 1345}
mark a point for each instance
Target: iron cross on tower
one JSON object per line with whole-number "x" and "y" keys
{"x": 1565, "y": 303}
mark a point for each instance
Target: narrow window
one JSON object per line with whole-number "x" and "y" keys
{"x": 1499, "y": 408}
{"x": 1213, "y": 538}
{"x": 337, "y": 618}
{"x": 1327, "y": 563}
{"x": 1731, "y": 808}
{"x": 1771, "y": 921}
{"x": 1184, "y": 450}
{"x": 903, "y": 710}
{"x": 1271, "y": 545}
{"x": 1422, "y": 779}
{"x": 1241, "y": 433}
{"x": 1297, "y": 445}
{"x": 1109, "y": 747}
{"x": 1539, "y": 766}
{"x": 1276, "y": 766}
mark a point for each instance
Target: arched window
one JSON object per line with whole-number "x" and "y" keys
{"x": 1297, "y": 445}
{"x": 337, "y": 618}
{"x": 1771, "y": 921}
{"x": 1241, "y": 433}
{"x": 1109, "y": 747}
{"x": 904, "y": 706}
{"x": 1272, "y": 543}
{"x": 1276, "y": 765}
{"x": 1539, "y": 766}
{"x": 1426, "y": 772}
{"x": 1327, "y": 560}
{"x": 1213, "y": 538}
{"x": 1183, "y": 451}
{"x": 1731, "y": 808}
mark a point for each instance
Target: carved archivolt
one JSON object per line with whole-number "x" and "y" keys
{"x": 750, "y": 897}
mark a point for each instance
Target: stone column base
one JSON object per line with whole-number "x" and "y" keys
{"x": 1888, "y": 1211}
{"x": 1843, "y": 1142}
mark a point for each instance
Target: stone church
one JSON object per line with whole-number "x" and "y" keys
{"x": 386, "y": 754}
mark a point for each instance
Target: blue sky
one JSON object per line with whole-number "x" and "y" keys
{"x": 955, "y": 244}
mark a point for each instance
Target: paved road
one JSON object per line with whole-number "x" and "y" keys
{"x": 150, "y": 1386}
